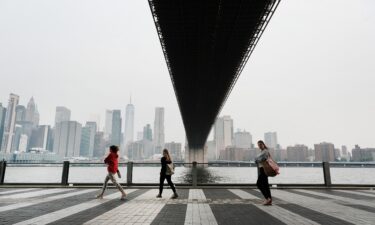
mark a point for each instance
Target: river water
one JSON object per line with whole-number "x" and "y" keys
{"x": 96, "y": 174}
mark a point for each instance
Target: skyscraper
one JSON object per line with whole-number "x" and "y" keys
{"x": 108, "y": 124}
{"x": 159, "y": 129}
{"x": 297, "y": 153}
{"x": 129, "y": 124}
{"x": 32, "y": 114}
{"x": 40, "y": 138}
{"x": 62, "y": 114}
{"x": 242, "y": 139}
{"x": 324, "y": 152}
{"x": 88, "y": 139}
{"x": 3, "y": 111}
{"x": 116, "y": 127}
{"x": 20, "y": 114}
{"x": 147, "y": 132}
{"x": 99, "y": 145}
{"x": 9, "y": 124}
{"x": 223, "y": 134}
{"x": 67, "y": 138}
{"x": 270, "y": 139}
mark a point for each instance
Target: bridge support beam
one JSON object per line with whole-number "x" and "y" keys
{"x": 196, "y": 155}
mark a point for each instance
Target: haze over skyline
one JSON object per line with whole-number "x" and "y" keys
{"x": 311, "y": 77}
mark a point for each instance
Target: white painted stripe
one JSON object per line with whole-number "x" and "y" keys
{"x": 328, "y": 207}
{"x": 35, "y": 193}
{"x": 281, "y": 214}
{"x": 198, "y": 212}
{"x": 43, "y": 200}
{"x": 59, "y": 214}
{"x": 17, "y": 191}
{"x": 140, "y": 210}
{"x": 356, "y": 192}
{"x": 345, "y": 199}
{"x": 369, "y": 191}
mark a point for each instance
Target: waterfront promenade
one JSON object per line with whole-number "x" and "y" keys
{"x": 195, "y": 206}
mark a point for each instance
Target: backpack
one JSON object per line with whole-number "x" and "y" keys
{"x": 170, "y": 169}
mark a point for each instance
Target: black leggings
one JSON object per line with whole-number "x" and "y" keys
{"x": 263, "y": 185}
{"x": 169, "y": 180}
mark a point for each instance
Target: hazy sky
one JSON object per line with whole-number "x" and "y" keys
{"x": 311, "y": 78}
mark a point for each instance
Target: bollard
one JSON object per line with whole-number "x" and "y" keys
{"x": 327, "y": 174}
{"x": 65, "y": 173}
{"x": 194, "y": 175}
{"x": 3, "y": 166}
{"x": 129, "y": 173}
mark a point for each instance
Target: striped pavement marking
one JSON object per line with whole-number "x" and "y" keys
{"x": 282, "y": 214}
{"x": 51, "y": 217}
{"x": 330, "y": 208}
{"x": 142, "y": 209}
{"x": 357, "y": 193}
{"x": 17, "y": 191}
{"x": 44, "y": 200}
{"x": 345, "y": 199}
{"x": 197, "y": 211}
{"x": 34, "y": 193}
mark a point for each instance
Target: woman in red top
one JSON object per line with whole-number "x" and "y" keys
{"x": 112, "y": 167}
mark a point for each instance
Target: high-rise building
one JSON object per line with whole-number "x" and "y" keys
{"x": 211, "y": 150}
{"x": 9, "y": 124}
{"x": 18, "y": 131}
{"x": 136, "y": 150}
{"x": 99, "y": 145}
{"x": 129, "y": 124}
{"x": 324, "y": 152}
{"x": 270, "y": 139}
{"x": 175, "y": 150}
{"x": 297, "y": 153}
{"x": 88, "y": 139}
{"x": 20, "y": 114}
{"x": 223, "y": 134}
{"x": 32, "y": 114}
{"x": 108, "y": 124}
{"x": 159, "y": 129}
{"x": 242, "y": 139}
{"x": 40, "y": 138}
{"x": 116, "y": 127}
{"x": 147, "y": 132}
{"x": 22, "y": 146}
{"x": 3, "y": 111}
{"x": 67, "y": 139}
{"x": 62, "y": 114}
{"x": 363, "y": 154}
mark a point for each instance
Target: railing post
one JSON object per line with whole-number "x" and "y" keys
{"x": 327, "y": 174}
{"x": 65, "y": 173}
{"x": 129, "y": 173}
{"x": 3, "y": 166}
{"x": 194, "y": 175}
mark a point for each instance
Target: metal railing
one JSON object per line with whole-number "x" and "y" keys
{"x": 194, "y": 181}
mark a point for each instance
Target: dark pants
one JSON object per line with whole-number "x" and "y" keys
{"x": 263, "y": 185}
{"x": 169, "y": 180}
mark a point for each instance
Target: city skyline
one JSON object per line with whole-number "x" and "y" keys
{"x": 63, "y": 113}
{"x": 313, "y": 89}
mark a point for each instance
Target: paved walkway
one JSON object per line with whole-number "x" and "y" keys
{"x": 194, "y": 206}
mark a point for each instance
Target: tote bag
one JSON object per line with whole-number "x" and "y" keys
{"x": 270, "y": 167}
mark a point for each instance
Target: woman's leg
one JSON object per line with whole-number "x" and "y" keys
{"x": 169, "y": 180}
{"x": 161, "y": 184}
{"x": 262, "y": 182}
{"x": 114, "y": 181}
{"x": 106, "y": 179}
{"x": 267, "y": 189}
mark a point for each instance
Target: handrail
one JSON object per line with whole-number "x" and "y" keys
{"x": 130, "y": 165}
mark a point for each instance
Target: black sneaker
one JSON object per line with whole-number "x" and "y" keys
{"x": 158, "y": 196}
{"x": 175, "y": 195}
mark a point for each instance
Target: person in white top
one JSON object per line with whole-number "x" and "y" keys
{"x": 262, "y": 182}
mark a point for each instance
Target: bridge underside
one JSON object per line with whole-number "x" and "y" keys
{"x": 206, "y": 45}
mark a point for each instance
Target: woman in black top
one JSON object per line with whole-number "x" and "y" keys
{"x": 166, "y": 159}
